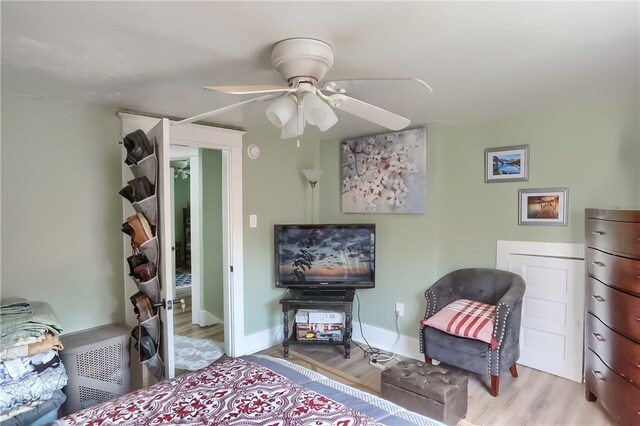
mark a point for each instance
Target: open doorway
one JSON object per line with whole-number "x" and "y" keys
{"x": 198, "y": 256}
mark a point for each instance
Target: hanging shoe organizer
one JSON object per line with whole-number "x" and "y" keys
{"x": 143, "y": 261}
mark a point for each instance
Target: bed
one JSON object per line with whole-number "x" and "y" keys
{"x": 249, "y": 390}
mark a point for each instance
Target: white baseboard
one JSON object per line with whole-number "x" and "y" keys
{"x": 260, "y": 341}
{"x": 377, "y": 337}
{"x": 207, "y": 318}
{"x": 384, "y": 339}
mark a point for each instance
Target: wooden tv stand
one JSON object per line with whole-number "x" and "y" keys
{"x": 341, "y": 300}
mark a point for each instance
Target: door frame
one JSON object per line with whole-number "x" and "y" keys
{"x": 195, "y": 187}
{"x": 230, "y": 143}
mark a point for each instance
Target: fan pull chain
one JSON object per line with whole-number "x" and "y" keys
{"x": 297, "y": 123}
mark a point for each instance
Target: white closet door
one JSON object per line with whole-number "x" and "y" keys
{"x": 160, "y": 136}
{"x": 552, "y": 314}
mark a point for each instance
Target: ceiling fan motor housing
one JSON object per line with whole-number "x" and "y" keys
{"x": 302, "y": 57}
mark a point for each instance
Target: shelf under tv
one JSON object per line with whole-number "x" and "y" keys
{"x": 294, "y": 299}
{"x": 321, "y": 294}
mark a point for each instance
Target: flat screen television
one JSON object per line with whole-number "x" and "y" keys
{"x": 335, "y": 257}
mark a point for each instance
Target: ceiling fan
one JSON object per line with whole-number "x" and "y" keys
{"x": 181, "y": 168}
{"x": 303, "y": 62}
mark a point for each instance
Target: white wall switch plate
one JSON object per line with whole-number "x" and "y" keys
{"x": 253, "y": 221}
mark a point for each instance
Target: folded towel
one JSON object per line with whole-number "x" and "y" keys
{"x": 43, "y": 344}
{"x": 17, "y": 326}
{"x": 14, "y": 305}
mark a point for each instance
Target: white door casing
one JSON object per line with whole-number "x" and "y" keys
{"x": 230, "y": 143}
{"x": 159, "y": 137}
{"x": 195, "y": 190}
{"x": 551, "y": 333}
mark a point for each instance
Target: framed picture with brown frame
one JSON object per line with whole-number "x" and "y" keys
{"x": 543, "y": 206}
{"x": 506, "y": 164}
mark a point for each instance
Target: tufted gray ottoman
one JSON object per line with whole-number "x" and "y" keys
{"x": 436, "y": 391}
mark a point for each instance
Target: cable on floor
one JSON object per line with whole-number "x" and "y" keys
{"x": 375, "y": 354}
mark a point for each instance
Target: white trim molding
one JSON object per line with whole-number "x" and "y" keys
{"x": 384, "y": 340}
{"x": 531, "y": 248}
{"x": 207, "y": 318}
{"x": 378, "y": 338}
{"x": 230, "y": 143}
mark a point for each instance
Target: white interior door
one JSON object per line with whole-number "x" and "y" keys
{"x": 551, "y": 334}
{"x": 230, "y": 143}
{"x": 166, "y": 268}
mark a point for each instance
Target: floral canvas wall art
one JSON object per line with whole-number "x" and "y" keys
{"x": 385, "y": 173}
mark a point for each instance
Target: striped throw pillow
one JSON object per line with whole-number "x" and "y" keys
{"x": 466, "y": 318}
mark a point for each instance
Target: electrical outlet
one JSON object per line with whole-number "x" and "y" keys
{"x": 399, "y": 309}
{"x": 377, "y": 365}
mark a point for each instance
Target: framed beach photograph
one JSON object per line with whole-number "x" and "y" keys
{"x": 543, "y": 206}
{"x": 506, "y": 164}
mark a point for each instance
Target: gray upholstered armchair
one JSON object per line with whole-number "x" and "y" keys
{"x": 503, "y": 289}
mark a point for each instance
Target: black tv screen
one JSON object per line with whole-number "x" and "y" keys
{"x": 325, "y": 256}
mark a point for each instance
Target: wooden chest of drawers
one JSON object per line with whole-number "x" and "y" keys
{"x": 612, "y": 323}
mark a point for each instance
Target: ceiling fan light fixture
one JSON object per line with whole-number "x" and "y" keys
{"x": 315, "y": 109}
{"x": 303, "y": 62}
{"x": 330, "y": 120}
{"x": 302, "y": 56}
{"x": 295, "y": 126}
{"x": 281, "y": 110}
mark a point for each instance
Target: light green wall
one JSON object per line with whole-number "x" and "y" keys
{"x": 181, "y": 196}
{"x": 405, "y": 243}
{"x": 61, "y": 212}
{"x": 274, "y": 189}
{"x": 212, "y": 277}
{"x": 593, "y": 150}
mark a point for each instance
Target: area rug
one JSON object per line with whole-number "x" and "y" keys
{"x": 193, "y": 354}
{"x": 182, "y": 279}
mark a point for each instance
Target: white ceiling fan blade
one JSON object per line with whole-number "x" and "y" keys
{"x": 369, "y": 112}
{"x": 223, "y": 109}
{"x": 333, "y": 85}
{"x": 248, "y": 90}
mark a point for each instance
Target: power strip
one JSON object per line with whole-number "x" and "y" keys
{"x": 378, "y": 365}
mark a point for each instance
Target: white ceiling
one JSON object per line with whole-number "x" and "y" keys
{"x": 484, "y": 60}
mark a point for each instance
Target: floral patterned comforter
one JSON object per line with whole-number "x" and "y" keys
{"x": 251, "y": 390}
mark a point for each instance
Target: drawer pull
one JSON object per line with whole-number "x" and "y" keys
{"x": 598, "y": 375}
{"x": 597, "y": 263}
{"x": 598, "y": 298}
{"x": 598, "y": 337}
{"x": 598, "y": 232}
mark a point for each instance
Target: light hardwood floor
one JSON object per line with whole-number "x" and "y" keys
{"x": 182, "y": 325}
{"x": 534, "y": 398}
